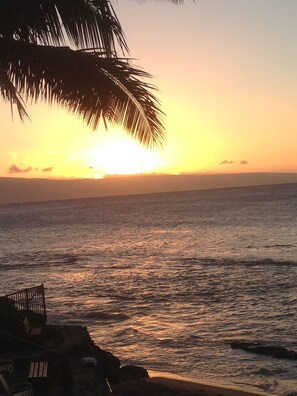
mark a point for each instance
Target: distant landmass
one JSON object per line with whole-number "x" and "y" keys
{"x": 15, "y": 190}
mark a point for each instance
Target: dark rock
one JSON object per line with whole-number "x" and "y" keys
{"x": 268, "y": 350}
{"x": 106, "y": 359}
{"x": 52, "y": 337}
{"x": 242, "y": 344}
{"x": 11, "y": 327}
{"x": 132, "y": 371}
{"x": 78, "y": 343}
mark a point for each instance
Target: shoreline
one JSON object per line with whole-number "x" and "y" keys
{"x": 87, "y": 370}
{"x": 67, "y": 346}
{"x": 205, "y": 386}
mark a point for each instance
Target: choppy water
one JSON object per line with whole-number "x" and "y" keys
{"x": 168, "y": 280}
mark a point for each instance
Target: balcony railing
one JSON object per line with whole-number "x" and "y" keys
{"x": 31, "y": 299}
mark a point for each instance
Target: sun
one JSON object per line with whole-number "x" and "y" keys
{"x": 121, "y": 155}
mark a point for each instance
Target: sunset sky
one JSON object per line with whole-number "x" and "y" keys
{"x": 227, "y": 75}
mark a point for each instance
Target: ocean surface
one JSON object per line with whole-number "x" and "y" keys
{"x": 168, "y": 280}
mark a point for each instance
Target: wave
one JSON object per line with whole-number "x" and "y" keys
{"x": 106, "y": 316}
{"x": 279, "y": 246}
{"x": 237, "y": 262}
{"x": 38, "y": 258}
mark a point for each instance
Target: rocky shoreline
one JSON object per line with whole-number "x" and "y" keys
{"x": 63, "y": 360}
{"x": 78, "y": 367}
{"x": 108, "y": 376}
{"x": 90, "y": 366}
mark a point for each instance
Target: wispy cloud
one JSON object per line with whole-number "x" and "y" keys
{"x": 226, "y": 162}
{"x": 15, "y": 169}
{"x": 48, "y": 169}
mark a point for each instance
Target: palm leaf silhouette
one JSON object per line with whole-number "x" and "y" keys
{"x": 65, "y": 51}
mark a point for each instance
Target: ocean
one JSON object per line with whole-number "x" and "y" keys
{"x": 168, "y": 281}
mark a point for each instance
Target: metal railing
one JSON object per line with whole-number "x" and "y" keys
{"x": 31, "y": 299}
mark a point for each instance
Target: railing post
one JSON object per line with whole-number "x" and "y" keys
{"x": 27, "y": 300}
{"x": 43, "y": 301}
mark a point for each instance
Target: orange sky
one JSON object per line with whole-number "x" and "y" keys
{"x": 226, "y": 70}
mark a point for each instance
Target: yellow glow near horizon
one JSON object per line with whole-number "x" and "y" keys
{"x": 65, "y": 147}
{"x": 120, "y": 155}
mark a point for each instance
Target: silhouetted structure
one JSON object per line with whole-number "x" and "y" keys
{"x": 31, "y": 299}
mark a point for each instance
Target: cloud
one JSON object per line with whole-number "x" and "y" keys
{"x": 48, "y": 169}
{"x": 15, "y": 169}
{"x": 226, "y": 162}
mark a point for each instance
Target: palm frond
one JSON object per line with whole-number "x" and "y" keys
{"x": 83, "y": 23}
{"x": 89, "y": 84}
{"x": 9, "y": 93}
